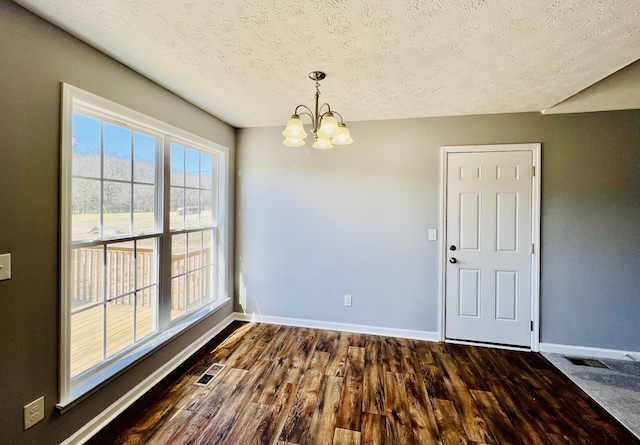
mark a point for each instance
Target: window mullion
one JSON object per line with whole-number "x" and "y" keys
{"x": 215, "y": 186}
{"x": 105, "y": 286}
{"x": 132, "y": 181}
{"x": 203, "y": 268}
{"x": 135, "y": 291}
{"x": 132, "y": 149}
{"x": 187, "y": 277}
{"x": 164, "y": 310}
{"x": 101, "y": 197}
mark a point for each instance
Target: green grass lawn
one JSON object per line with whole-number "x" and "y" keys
{"x": 84, "y": 226}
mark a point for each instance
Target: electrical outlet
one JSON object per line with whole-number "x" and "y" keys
{"x": 347, "y": 300}
{"x": 33, "y": 413}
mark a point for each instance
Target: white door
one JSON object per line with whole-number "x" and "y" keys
{"x": 489, "y": 247}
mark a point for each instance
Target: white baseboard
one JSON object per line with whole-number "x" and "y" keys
{"x": 346, "y": 327}
{"x": 101, "y": 420}
{"x": 585, "y": 351}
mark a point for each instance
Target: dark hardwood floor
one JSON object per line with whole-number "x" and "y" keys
{"x": 285, "y": 385}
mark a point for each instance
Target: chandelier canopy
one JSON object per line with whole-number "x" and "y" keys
{"x": 327, "y": 131}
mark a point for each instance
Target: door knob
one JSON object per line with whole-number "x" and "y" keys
{"x": 453, "y": 260}
{"x": 452, "y": 247}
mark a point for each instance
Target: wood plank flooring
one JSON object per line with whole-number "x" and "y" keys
{"x": 286, "y": 386}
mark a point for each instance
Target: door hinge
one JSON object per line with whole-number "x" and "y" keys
{"x": 531, "y": 325}
{"x": 533, "y": 170}
{"x": 533, "y": 248}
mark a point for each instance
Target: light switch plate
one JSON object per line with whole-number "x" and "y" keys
{"x": 433, "y": 234}
{"x": 5, "y": 266}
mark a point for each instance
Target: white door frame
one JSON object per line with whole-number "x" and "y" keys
{"x": 536, "y": 151}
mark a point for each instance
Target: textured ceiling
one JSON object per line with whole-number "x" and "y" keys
{"x": 247, "y": 61}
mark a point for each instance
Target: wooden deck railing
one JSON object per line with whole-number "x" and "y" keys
{"x": 88, "y": 269}
{"x": 89, "y": 265}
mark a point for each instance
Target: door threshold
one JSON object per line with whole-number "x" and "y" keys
{"x": 488, "y": 345}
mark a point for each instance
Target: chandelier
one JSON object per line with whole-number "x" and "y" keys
{"x": 326, "y": 130}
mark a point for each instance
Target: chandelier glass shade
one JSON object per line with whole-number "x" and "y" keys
{"x": 327, "y": 130}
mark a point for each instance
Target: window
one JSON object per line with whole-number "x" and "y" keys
{"x": 143, "y": 236}
{"x": 192, "y": 233}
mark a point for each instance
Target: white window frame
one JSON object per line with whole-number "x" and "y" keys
{"x": 75, "y": 389}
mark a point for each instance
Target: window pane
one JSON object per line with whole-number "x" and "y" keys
{"x": 146, "y": 285}
{"x": 178, "y": 269}
{"x": 119, "y": 324}
{"x": 207, "y": 284}
{"x": 177, "y": 208}
{"x": 117, "y": 152}
{"x": 116, "y": 206}
{"x": 192, "y": 167}
{"x": 85, "y": 209}
{"x": 178, "y": 254}
{"x": 208, "y": 249}
{"x": 144, "y": 158}
{"x": 220, "y": 282}
{"x": 206, "y": 171}
{"x": 192, "y": 209}
{"x": 143, "y": 208}
{"x": 178, "y": 295}
{"x": 195, "y": 250}
{"x": 86, "y": 339}
{"x": 219, "y": 271}
{"x": 206, "y": 210}
{"x": 218, "y": 209}
{"x": 177, "y": 165}
{"x": 146, "y": 312}
{"x": 87, "y": 272}
{"x": 86, "y": 146}
{"x": 194, "y": 291}
{"x": 208, "y": 259}
{"x": 146, "y": 263}
{"x": 119, "y": 269}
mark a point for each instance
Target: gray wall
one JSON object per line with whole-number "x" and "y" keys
{"x": 315, "y": 225}
{"x": 34, "y": 58}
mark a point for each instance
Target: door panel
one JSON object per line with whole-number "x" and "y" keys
{"x": 506, "y": 222}
{"x": 489, "y": 221}
{"x": 469, "y": 293}
{"x": 469, "y": 221}
{"x": 506, "y": 294}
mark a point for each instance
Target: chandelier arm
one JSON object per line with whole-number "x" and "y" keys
{"x": 330, "y": 112}
{"x": 304, "y": 113}
{"x": 309, "y": 112}
{"x": 328, "y": 108}
{"x": 341, "y": 120}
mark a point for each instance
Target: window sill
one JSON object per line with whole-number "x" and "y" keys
{"x": 87, "y": 385}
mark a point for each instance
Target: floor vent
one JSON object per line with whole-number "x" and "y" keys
{"x": 209, "y": 374}
{"x": 592, "y": 363}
